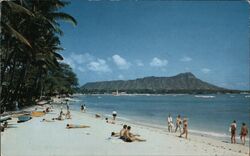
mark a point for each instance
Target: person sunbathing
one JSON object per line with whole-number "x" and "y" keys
{"x": 129, "y": 137}
{"x": 76, "y": 126}
{"x": 48, "y": 120}
{"x": 97, "y": 116}
{"x": 107, "y": 121}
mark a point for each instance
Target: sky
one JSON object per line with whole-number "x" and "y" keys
{"x": 122, "y": 40}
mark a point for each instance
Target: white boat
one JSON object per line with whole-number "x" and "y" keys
{"x": 205, "y": 96}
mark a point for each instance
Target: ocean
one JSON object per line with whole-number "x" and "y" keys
{"x": 207, "y": 115}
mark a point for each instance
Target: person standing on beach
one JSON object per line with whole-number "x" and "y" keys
{"x": 82, "y": 108}
{"x": 185, "y": 128}
{"x": 114, "y": 114}
{"x": 170, "y": 120}
{"x": 233, "y": 127}
{"x": 178, "y": 123}
{"x": 243, "y": 133}
{"x": 67, "y": 106}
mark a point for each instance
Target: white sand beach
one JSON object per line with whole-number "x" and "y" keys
{"x": 36, "y": 138}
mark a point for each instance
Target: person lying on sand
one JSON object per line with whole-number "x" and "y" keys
{"x": 48, "y": 120}
{"x": 76, "y": 126}
{"x": 107, "y": 121}
{"x": 129, "y": 137}
{"x": 97, "y": 115}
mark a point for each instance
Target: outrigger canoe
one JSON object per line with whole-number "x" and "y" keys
{"x": 5, "y": 118}
{"x": 37, "y": 113}
{"x": 24, "y": 118}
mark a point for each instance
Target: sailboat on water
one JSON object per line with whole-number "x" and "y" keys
{"x": 115, "y": 93}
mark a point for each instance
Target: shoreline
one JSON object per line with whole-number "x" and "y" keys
{"x": 192, "y": 132}
{"x": 99, "y": 133}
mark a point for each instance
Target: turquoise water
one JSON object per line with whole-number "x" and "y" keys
{"x": 211, "y": 116}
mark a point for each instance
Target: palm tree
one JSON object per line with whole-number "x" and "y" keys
{"x": 30, "y": 43}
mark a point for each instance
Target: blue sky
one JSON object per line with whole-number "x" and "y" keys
{"x": 132, "y": 39}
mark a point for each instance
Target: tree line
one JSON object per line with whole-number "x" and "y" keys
{"x": 31, "y": 66}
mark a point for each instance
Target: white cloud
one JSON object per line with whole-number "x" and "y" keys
{"x": 81, "y": 69}
{"x": 120, "y": 62}
{"x": 139, "y": 63}
{"x": 205, "y": 70}
{"x": 81, "y": 58}
{"x": 121, "y": 77}
{"x": 186, "y": 59}
{"x": 99, "y": 66}
{"x": 156, "y": 62}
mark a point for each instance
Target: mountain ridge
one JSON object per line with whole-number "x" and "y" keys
{"x": 183, "y": 82}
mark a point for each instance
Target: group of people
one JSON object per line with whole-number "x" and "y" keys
{"x": 126, "y": 135}
{"x": 66, "y": 115}
{"x": 83, "y": 108}
{"x": 182, "y": 125}
{"x": 243, "y": 132}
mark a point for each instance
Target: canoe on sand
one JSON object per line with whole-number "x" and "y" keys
{"x": 4, "y": 118}
{"x": 24, "y": 118}
{"x": 37, "y": 113}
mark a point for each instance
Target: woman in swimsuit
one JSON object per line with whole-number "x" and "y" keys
{"x": 76, "y": 126}
{"x": 243, "y": 133}
{"x": 233, "y": 132}
{"x": 185, "y": 128}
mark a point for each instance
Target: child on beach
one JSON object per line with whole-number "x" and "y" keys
{"x": 243, "y": 133}
{"x": 114, "y": 114}
{"x": 68, "y": 116}
{"x": 178, "y": 123}
{"x": 233, "y": 132}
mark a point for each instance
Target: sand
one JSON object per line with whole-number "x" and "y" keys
{"x": 36, "y": 138}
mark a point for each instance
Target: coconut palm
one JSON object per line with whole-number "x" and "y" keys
{"x": 30, "y": 44}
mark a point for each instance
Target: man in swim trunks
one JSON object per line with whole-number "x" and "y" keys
{"x": 243, "y": 133}
{"x": 121, "y": 133}
{"x": 178, "y": 123}
{"x": 170, "y": 120}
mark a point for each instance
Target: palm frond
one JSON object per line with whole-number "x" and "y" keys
{"x": 19, "y": 36}
{"x": 64, "y": 16}
{"x": 18, "y": 8}
{"x": 58, "y": 56}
